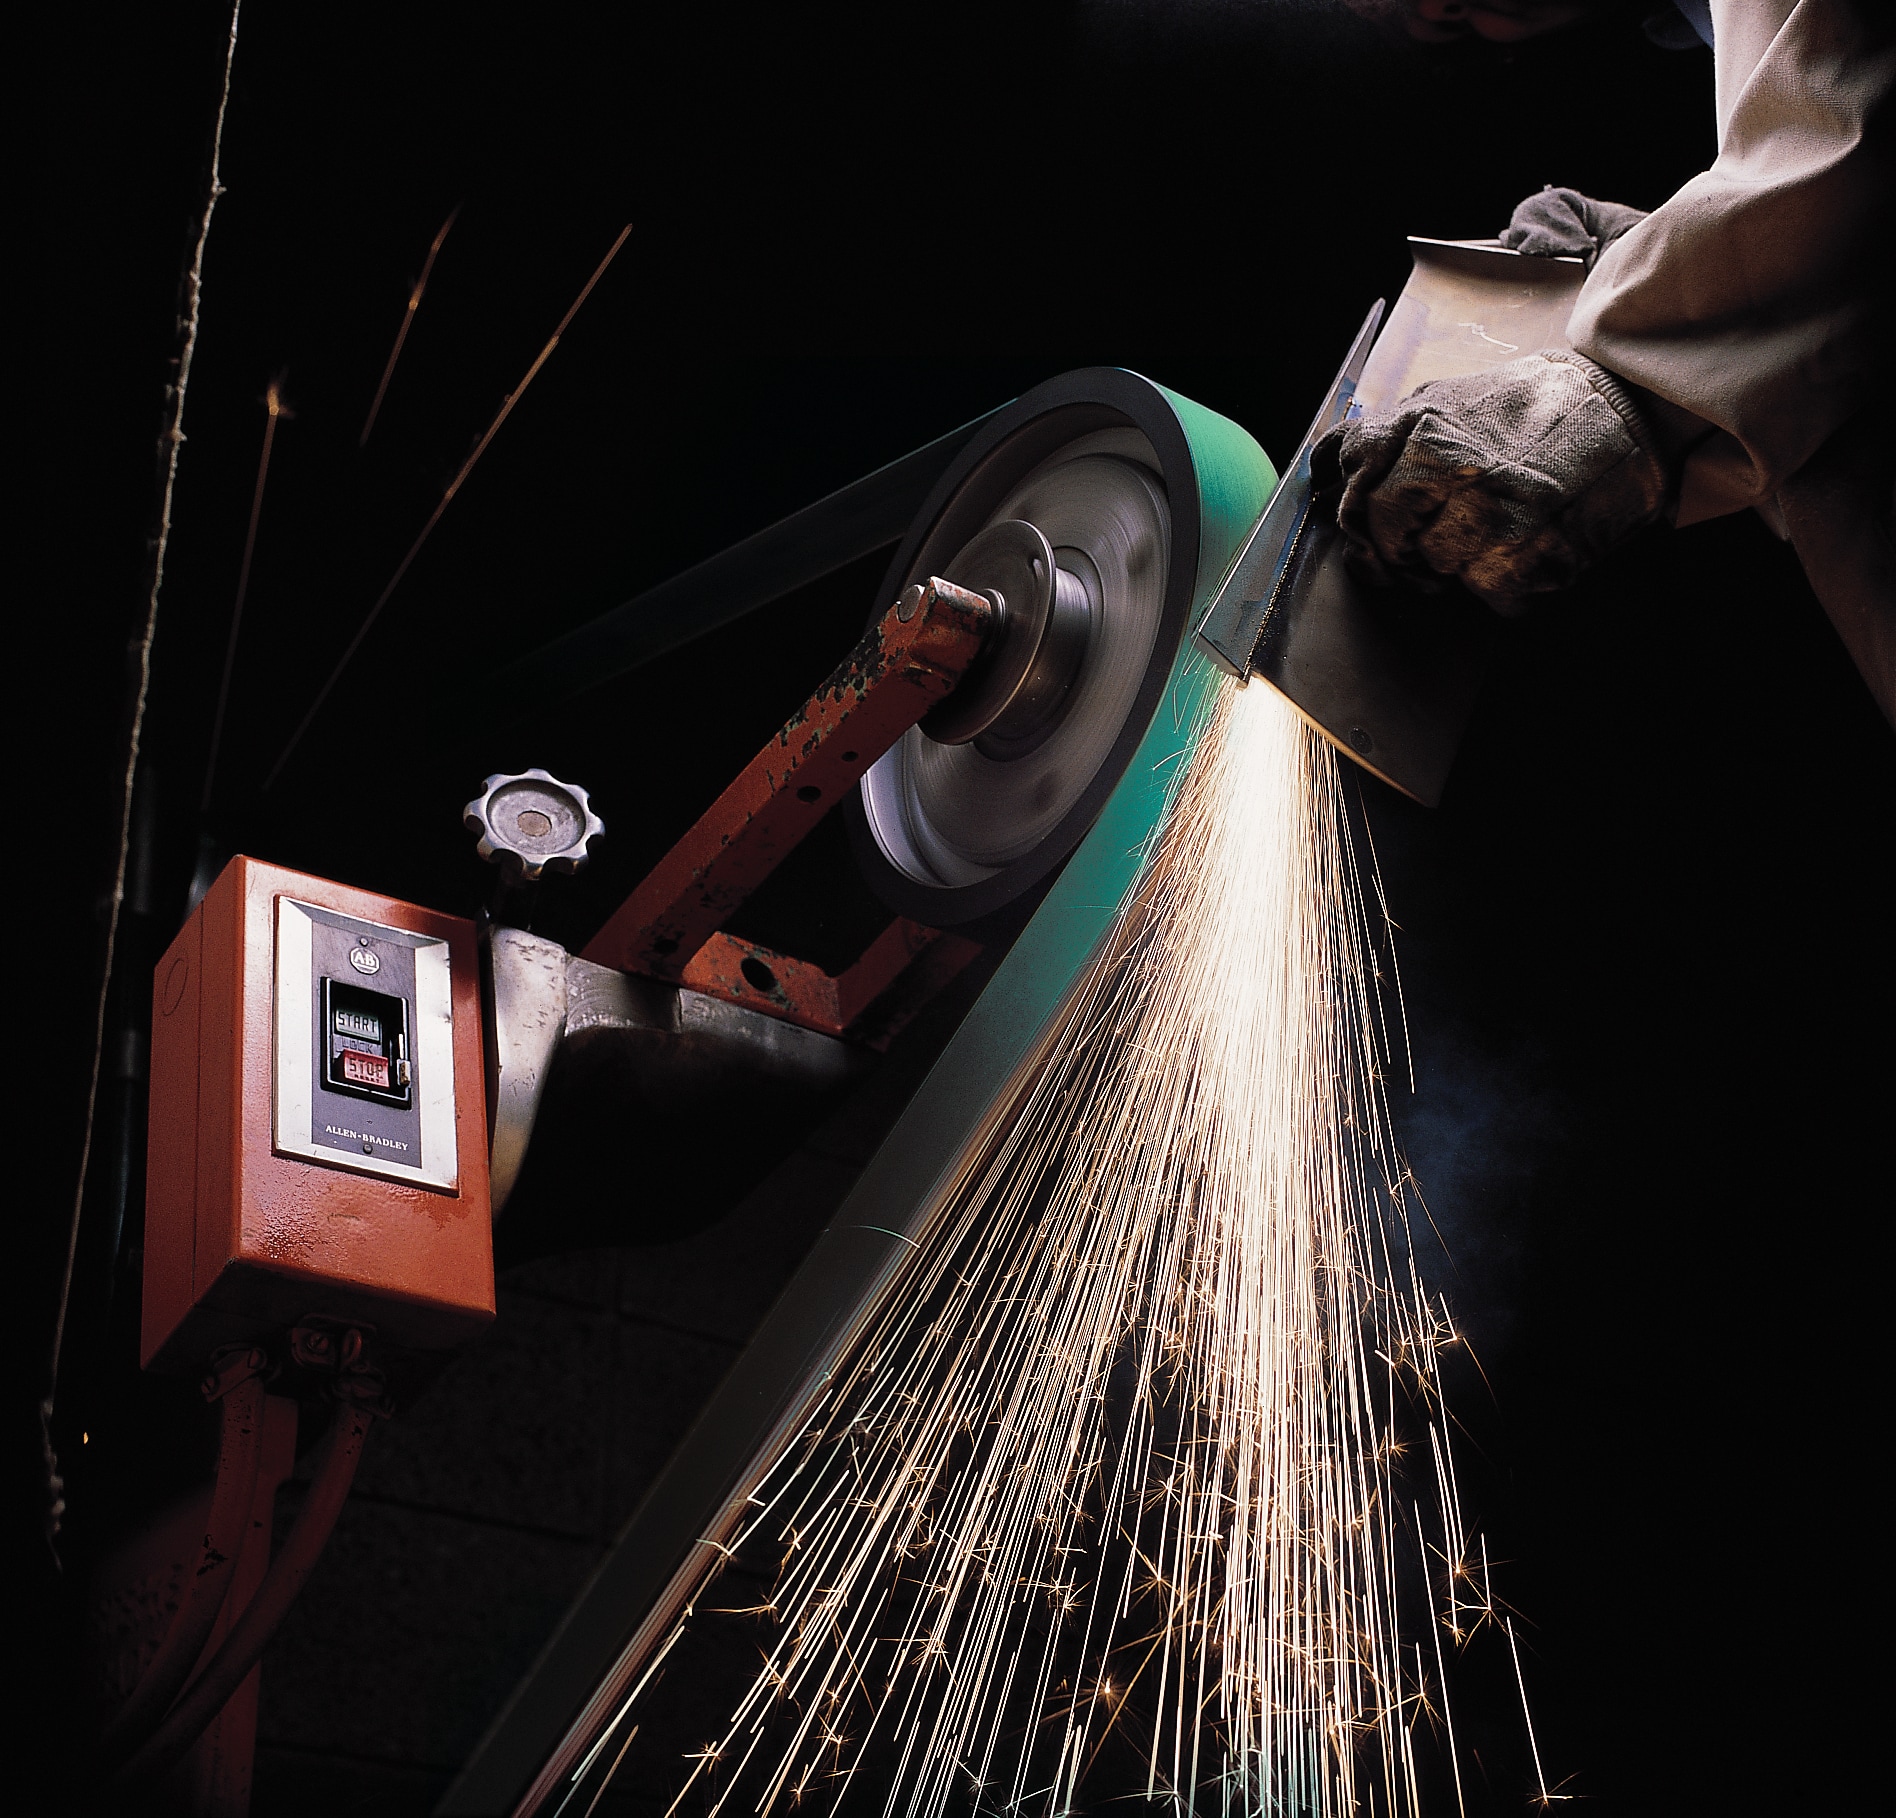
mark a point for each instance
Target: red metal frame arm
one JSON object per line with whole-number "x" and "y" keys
{"x": 869, "y": 1001}
{"x": 921, "y": 648}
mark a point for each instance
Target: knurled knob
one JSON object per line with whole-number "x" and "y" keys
{"x": 533, "y": 819}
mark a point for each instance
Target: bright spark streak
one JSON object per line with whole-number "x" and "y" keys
{"x": 1115, "y": 1461}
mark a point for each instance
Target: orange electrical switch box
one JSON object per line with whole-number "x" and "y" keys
{"x": 318, "y": 1129}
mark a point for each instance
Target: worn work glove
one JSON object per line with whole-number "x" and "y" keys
{"x": 1510, "y": 481}
{"x": 1562, "y": 222}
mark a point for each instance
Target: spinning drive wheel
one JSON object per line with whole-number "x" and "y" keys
{"x": 1076, "y": 510}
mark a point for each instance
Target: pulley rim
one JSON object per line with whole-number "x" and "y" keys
{"x": 952, "y": 815}
{"x": 948, "y": 868}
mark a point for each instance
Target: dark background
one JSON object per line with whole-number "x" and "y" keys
{"x": 1644, "y": 941}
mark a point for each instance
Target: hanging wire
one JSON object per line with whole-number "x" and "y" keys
{"x": 274, "y": 407}
{"x": 408, "y": 317}
{"x": 170, "y": 441}
{"x": 434, "y": 517}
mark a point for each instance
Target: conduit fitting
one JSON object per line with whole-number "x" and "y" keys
{"x": 339, "y": 1357}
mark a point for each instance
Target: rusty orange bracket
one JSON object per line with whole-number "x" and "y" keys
{"x": 870, "y": 1001}
{"x": 669, "y": 926}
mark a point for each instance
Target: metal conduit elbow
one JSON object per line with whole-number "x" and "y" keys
{"x": 236, "y": 1385}
{"x": 243, "y": 1646}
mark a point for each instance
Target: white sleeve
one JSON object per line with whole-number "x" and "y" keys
{"x": 1751, "y": 298}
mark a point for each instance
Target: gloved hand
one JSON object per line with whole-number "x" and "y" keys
{"x": 1511, "y": 481}
{"x": 1561, "y": 222}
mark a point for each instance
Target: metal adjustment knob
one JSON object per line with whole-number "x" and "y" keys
{"x": 532, "y": 823}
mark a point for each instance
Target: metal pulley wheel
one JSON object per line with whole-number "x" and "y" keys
{"x": 1076, "y": 510}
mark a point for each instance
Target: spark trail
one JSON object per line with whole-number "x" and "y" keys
{"x": 1110, "y": 1486}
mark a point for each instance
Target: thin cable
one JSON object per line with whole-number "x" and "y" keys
{"x": 170, "y": 440}
{"x": 274, "y": 407}
{"x": 447, "y": 498}
{"x": 408, "y": 317}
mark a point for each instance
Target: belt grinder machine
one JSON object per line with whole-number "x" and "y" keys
{"x": 323, "y": 1171}
{"x": 1002, "y": 742}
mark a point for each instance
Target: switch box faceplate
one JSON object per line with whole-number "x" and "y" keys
{"x": 364, "y": 1046}
{"x": 318, "y": 1127}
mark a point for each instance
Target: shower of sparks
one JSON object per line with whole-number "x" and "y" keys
{"x": 1113, "y": 1475}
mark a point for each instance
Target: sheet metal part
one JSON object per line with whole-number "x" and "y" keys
{"x": 1216, "y": 478}
{"x": 906, "y": 662}
{"x": 1390, "y": 676}
{"x": 1250, "y": 592}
